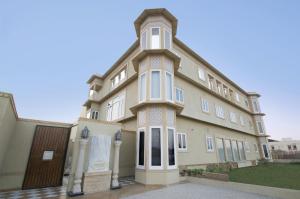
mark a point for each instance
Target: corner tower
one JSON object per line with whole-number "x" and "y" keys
{"x": 156, "y": 159}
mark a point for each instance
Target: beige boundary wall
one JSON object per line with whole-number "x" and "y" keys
{"x": 16, "y": 135}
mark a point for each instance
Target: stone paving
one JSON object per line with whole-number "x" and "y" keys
{"x": 196, "y": 191}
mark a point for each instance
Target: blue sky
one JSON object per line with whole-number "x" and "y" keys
{"x": 48, "y": 50}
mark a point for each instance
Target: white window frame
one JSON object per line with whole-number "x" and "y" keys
{"x": 94, "y": 115}
{"x": 170, "y": 39}
{"x": 232, "y": 116}
{"x": 145, "y": 87}
{"x": 146, "y": 44}
{"x": 204, "y": 102}
{"x": 172, "y": 86}
{"x": 182, "y": 92}
{"x": 263, "y": 151}
{"x": 159, "y": 38}
{"x": 121, "y": 112}
{"x": 237, "y": 97}
{"x": 212, "y": 144}
{"x": 161, "y": 148}
{"x": 175, "y": 147}
{"x": 118, "y": 76}
{"x": 138, "y": 148}
{"x": 219, "y": 109}
{"x": 186, "y": 144}
{"x": 201, "y": 74}
{"x": 262, "y": 127}
{"x": 160, "y": 85}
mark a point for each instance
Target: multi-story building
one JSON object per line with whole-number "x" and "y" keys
{"x": 178, "y": 109}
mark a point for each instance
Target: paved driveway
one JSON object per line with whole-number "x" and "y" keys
{"x": 196, "y": 191}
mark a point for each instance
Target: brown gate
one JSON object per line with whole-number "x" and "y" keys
{"x": 47, "y": 157}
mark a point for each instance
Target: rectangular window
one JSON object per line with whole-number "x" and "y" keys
{"x": 169, "y": 86}
{"x": 294, "y": 147}
{"x": 241, "y": 150}
{"x": 250, "y": 124}
{"x": 246, "y": 103}
{"x": 260, "y": 127}
{"x": 155, "y": 39}
{"x": 266, "y": 151}
{"x": 220, "y": 111}
{"x": 228, "y": 149}
{"x": 144, "y": 40}
{"x": 156, "y": 148}
{"x": 242, "y": 120}
{"x": 167, "y": 40}
{"x": 182, "y": 146}
{"x": 142, "y": 88}
{"x": 95, "y": 115}
{"x": 171, "y": 147}
{"x": 205, "y": 105}
{"x": 225, "y": 90}
{"x": 247, "y": 147}
{"x": 201, "y": 74}
{"x": 155, "y": 84}
{"x": 116, "y": 80}
{"x": 179, "y": 95}
{"x": 211, "y": 82}
{"x": 256, "y": 107}
{"x": 236, "y": 156}
{"x": 233, "y": 117}
{"x": 219, "y": 87}
{"x": 141, "y": 154}
{"x": 116, "y": 108}
{"x": 221, "y": 151}
{"x": 209, "y": 144}
{"x": 237, "y": 97}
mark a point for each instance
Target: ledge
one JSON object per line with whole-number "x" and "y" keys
{"x": 177, "y": 107}
{"x": 144, "y": 53}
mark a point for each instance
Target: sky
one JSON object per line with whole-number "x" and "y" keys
{"x": 49, "y": 49}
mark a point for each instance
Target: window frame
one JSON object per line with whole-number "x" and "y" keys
{"x": 212, "y": 144}
{"x": 160, "y": 84}
{"x": 182, "y": 149}
{"x": 267, "y": 148}
{"x": 94, "y": 115}
{"x": 182, "y": 92}
{"x": 145, "y": 87}
{"x": 146, "y": 44}
{"x": 203, "y": 100}
{"x": 170, "y": 39}
{"x": 159, "y": 37}
{"x": 262, "y": 127}
{"x": 138, "y": 148}
{"x": 172, "y": 86}
{"x": 175, "y": 147}
{"x": 203, "y": 73}
{"x": 218, "y": 111}
{"x": 161, "y": 148}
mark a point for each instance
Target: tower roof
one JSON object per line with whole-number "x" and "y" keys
{"x": 155, "y": 12}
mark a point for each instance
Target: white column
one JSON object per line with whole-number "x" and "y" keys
{"x": 115, "y": 182}
{"x": 79, "y": 170}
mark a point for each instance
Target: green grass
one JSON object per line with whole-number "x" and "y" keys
{"x": 273, "y": 175}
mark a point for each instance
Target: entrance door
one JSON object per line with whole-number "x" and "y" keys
{"x": 47, "y": 157}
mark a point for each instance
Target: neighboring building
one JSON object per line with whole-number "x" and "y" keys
{"x": 183, "y": 110}
{"x": 174, "y": 110}
{"x": 286, "y": 144}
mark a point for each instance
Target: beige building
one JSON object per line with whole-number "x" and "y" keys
{"x": 182, "y": 110}
{"x": 285, "y": 144}
{"x": 173, "y": 108}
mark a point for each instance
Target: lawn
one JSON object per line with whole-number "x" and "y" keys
{"x": 273, "y": 175}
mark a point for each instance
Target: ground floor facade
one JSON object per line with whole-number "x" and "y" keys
{"x": 150, "y": 149}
